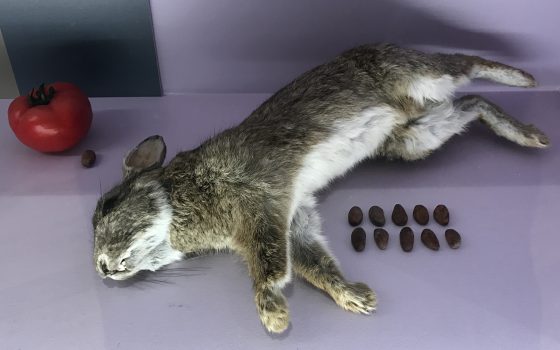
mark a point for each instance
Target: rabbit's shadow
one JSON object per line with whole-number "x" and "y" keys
{"x": 319, "y": 32}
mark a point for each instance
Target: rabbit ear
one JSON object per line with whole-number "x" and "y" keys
{"x": 148, "y": 155}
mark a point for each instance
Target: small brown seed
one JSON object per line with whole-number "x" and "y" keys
{"x": 358, "y": 239}
{"x": 430, "y": 240}
{"x": 377, "y": 216}
{"x": 407, "y": 239}
{"x": 355, "y": 216}
{"x": 441, "y": 215}
{"x": 381, "y": 238}
{"x": 88, "y": 158}
{"x": 453, "y": 238}
{"x": 399, "y": 216}
{"x": 421, "y": 215}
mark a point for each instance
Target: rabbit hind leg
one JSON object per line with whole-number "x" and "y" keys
{"x": 421, "y": 136}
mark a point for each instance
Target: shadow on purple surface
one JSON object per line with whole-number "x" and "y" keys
{"x": 312, "y": 31}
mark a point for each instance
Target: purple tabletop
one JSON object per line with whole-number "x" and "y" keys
{"x": 498, "y": 291}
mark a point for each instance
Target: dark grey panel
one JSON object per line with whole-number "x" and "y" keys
{"x": 104, "y": 46}
{"x": 8, "y": 87}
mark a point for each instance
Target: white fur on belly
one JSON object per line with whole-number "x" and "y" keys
{"x": 352, "y": 140}
{"x": 439, "y": 89}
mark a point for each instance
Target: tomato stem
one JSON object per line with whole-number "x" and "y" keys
{"x": 40, "y": 96}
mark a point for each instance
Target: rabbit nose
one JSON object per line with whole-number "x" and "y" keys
{"x": 103, "y": 267}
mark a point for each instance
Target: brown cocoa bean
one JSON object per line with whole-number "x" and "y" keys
{"x": 407, "y": 239}
{"x": 441, "y": 215}
{"x": 355, "y": 216}
{"x": 88, "y": 158}
{"x": 421, "y": 215}
{"x": 399, "y": 216}
{"x": 358, "y": 239}
{"x": 381, "y": 238}
{"x": 453, "y": 238}
{"x": 376, "y": 216}
{"x": 430, "y": 240}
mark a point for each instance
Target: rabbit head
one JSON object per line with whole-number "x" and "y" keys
{"x": 131, "y": 222}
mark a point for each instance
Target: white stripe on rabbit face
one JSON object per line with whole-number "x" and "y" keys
{"x": 151, "y": 249}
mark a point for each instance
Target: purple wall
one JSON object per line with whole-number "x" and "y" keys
{"x": 257, "y": 46}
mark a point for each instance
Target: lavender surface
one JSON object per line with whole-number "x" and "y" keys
{"x": 498, "y": 291}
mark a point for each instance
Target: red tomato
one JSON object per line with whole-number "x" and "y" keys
{"x": 53, "y": 118}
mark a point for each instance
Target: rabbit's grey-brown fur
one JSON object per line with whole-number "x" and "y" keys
{"x": 250, "y": 189}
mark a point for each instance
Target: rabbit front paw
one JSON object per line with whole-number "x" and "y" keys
{"x": 273, "y": 311}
